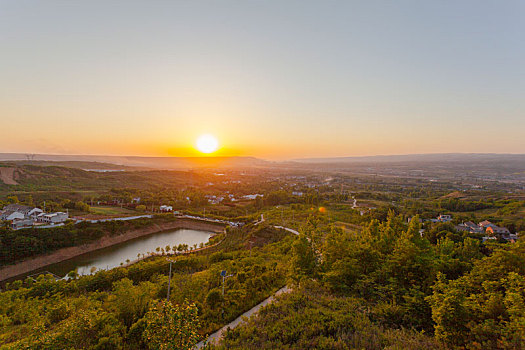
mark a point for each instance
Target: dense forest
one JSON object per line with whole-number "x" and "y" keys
{"x": 390, "y": 287}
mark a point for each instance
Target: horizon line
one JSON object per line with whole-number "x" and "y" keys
{"x": 248, "y": 156}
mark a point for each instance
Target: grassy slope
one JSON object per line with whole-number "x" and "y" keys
{"x": 33, "y": 179}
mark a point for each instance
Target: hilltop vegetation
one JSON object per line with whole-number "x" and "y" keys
{"x": 109, "y": 310}
{"x": 390, "y": 287}
{"x": 386, "y": 286}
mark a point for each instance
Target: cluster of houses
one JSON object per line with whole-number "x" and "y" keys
{"x": 21, "y": 216}
{"x": 486, "y": 228}
{"x": 213, "y": 199}
{"x": 490, "y": 230}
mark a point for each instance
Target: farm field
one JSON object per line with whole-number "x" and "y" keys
{"x": 112, "y": 211}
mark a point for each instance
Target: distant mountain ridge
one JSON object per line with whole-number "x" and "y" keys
{"x": 429, "y": 157}
{"x": 169, "y": 163}
{"x": 182, "y": 163}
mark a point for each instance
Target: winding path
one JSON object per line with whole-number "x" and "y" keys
{"x": 215, "y": 337}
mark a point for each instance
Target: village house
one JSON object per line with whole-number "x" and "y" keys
{"x": 212, "y": 199}
{"x": 53, "y": 218}
{"x": 165, "y": 208}
{"x": 470, "y": 227}
{"x": 22, "y": 223}
{"x": 252, "y": 196}
{"x": 491, "y": 230}
{"x": 485, "y": 224}
{"x": 444, "y": 218}
{"x": 11, "y": 215}
{"x": 17, "y": 211}
{"x": 497, "y": 230}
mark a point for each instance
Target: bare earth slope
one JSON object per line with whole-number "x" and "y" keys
{"x": 7, "y": 176}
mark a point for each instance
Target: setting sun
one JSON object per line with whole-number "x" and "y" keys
{"x": 207, "y": 143}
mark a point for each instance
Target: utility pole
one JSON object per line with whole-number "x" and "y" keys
{"x": 223, "y": 274}
{"x": 169, "y": 280}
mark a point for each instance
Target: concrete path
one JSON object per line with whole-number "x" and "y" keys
{"x": 215, "y": 337}
{"x": 288, "y": 229}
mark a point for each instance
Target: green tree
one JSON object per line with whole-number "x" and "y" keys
{"x": 304, "y": 262}
{"x": 484, "y": 308}
{"x": 82, "y": 206}
{"x": 29, "y": 201}
{"x": 132, "y": 302}
{"x": 214, "y": 298}
{"x": 171, "y": 326}
{"x": 12, "y": 200}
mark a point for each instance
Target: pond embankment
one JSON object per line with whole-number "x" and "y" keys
{"x": 63, "y": 254}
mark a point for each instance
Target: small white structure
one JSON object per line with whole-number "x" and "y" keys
{"x": 166, "y": 208}
{"x": 252, "y": 196}
{"x": 53, "y": 218}
{"x": 33, "y": 213}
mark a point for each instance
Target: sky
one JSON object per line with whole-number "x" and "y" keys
{"x": 270, "y": 79}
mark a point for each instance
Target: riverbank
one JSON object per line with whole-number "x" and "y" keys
{"x": 26, "y": 266}
{"x": 173, "y": 255}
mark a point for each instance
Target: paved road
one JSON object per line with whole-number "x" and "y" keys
{"x": 215, "y": 337}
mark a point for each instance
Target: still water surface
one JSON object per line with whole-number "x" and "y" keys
{"x": 111, "y": 257}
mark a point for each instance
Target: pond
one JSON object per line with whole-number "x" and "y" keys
{"x": 111, "y": 257}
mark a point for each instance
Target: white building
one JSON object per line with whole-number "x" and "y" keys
{"x": 252, "y": 196}
{"x": 17, "y": 211}
{"x": 53, "y": 218}
{"x": 22, "y": 223}
{"x": 10, "y": 216}
{"x": 166, "y": 208}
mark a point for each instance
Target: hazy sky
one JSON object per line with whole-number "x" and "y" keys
{"x": 272, "y": 79}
